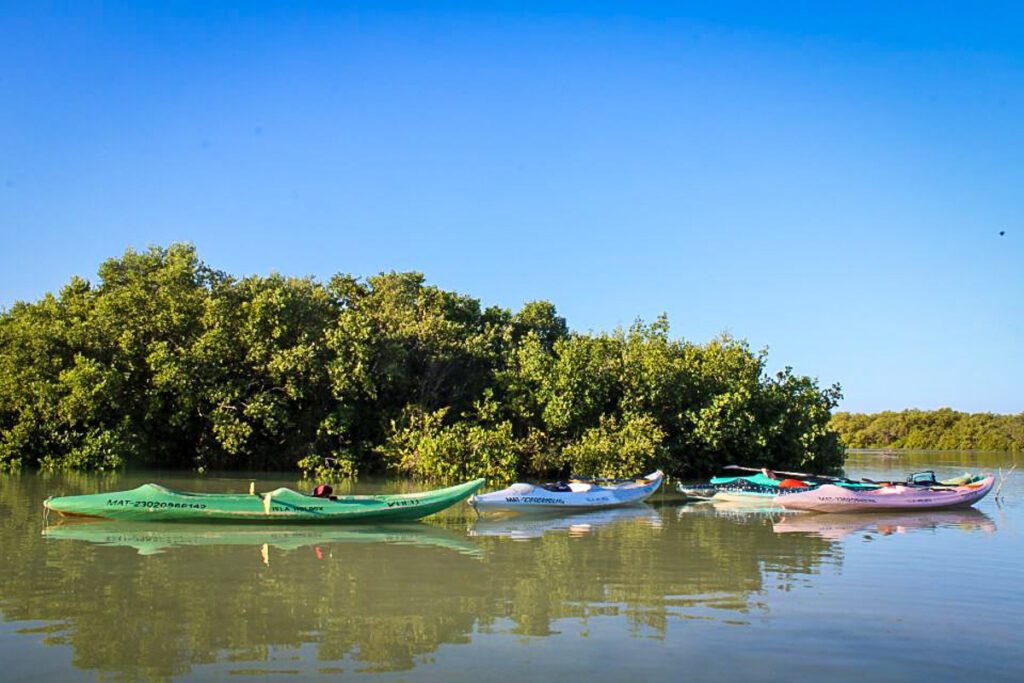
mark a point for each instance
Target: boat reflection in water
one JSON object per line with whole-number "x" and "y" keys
{"x": 534, "y": 525}
{"x": 738, "y": 509}
{"x": 445, "y": 599}
{"x": 152, "y": 538}
{"x": 837, "y": 526}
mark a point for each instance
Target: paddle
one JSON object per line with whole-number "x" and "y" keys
{"x": 797, "y": 475}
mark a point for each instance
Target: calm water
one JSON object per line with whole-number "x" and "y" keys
{"x": 670, "y": 591}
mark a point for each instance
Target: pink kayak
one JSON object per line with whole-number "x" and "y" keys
{"x": 829, "y": 498}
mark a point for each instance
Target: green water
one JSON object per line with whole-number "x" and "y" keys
{"x": 666, "y": 591}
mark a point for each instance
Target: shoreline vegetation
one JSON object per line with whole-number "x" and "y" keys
{"x": 940, "y": 430}
{"x": 167, "y": 362}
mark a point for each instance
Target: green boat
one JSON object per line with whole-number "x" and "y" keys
{"x": 155, "y": 503}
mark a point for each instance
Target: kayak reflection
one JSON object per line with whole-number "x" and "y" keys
{"x": 732, "y": 508}
{"x": 152, "y": 538}
{"x": 836, "y": 526}
{"x": 522, "y": 527}
{"x": 225, "y": 606}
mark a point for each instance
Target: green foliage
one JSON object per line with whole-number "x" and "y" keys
{"x": 320, "y": 469}
{"x": 168, "y": 362}
{"x": 476, "y": 446}
{"x": 612, "y": 449}
{"x": 96, "y": 450}
{"x": 943, "y": 429}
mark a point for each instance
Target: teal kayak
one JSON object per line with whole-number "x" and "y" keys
{"x": 763, "y": 485}
{"x": 155, "y": 503}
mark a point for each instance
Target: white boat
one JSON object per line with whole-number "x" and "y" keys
{"x": 576, "y": 494}
{"x": 829, "y": 498}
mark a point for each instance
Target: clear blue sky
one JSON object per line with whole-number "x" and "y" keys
{"x": 827, "y": 181}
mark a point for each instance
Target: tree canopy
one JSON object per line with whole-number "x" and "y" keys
{"x": 943, "y": 429}
{"x": 165, "y": 361}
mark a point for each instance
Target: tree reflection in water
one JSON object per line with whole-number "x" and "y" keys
{"x": 148, "y": 603}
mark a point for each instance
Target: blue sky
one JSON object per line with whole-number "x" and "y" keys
{"x": 829, "y": 182}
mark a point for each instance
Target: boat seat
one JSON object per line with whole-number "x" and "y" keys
{"x": 579, "y": 486}
{"x": 323, "y": 491}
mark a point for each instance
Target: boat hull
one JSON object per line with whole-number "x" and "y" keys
{"x": 154, "y": 503}
{"x": 829, "y": 498}
{"x": 537, "y": 498}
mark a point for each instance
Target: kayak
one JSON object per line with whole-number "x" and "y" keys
{"x": 155, "y": 503}
{"x": 753, "y": 483}
{"x": 905, "y": 496}
{"x": 576, "y": 494}
{"x": 760, "y": 488}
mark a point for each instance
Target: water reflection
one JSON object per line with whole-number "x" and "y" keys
{"x": 151, "y": 602}
{"x": 527, "y": 526}
{"x": 838, "y": 526}
{"x": 152, "y": 538}
{"x": 738, "y": 509}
